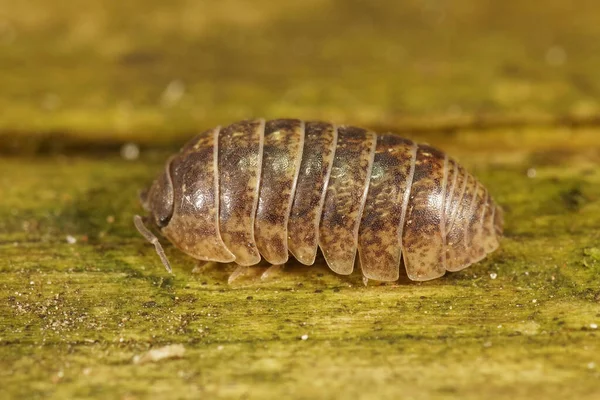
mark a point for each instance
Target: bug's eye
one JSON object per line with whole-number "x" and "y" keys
{"x": 163, "y": 221}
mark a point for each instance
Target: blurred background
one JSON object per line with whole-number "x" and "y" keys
{"x": 154, "y": 70}
{"x": 94, "y": 97}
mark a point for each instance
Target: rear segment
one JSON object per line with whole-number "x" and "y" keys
{"x": 424, "y": 208}
{"x": 474, "y": 223}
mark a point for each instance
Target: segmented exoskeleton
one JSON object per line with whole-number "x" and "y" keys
{"x": 269, "y": 188}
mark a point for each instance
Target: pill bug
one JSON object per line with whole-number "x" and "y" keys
{"x": 264, "y": 189}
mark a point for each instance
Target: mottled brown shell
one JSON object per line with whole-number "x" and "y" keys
{"x": 264, "y": 189}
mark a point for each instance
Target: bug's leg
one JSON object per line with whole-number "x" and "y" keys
{"x": 241, "y": 270}
{"x": 201, "y": 266}
{"x": 149, "y": 236}
{"x": 271, "y": 271}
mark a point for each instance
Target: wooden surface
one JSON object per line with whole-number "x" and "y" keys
{"x": 510, "y": 89}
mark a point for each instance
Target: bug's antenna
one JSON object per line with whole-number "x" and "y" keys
{"x": 139, "y": 224}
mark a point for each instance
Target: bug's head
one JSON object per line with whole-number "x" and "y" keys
{"x": 158, "y": 199}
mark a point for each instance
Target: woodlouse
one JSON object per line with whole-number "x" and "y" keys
{"x": 284, "y": 186}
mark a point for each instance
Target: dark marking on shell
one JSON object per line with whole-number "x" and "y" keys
{"x": 380, "y": 235}
{"x": 345, "y": 197}
{"x": 194, "y": 226}
{"x": 282, "y": 152}
{"x": 240, "y": 160}
{"x": 320, "y": 141}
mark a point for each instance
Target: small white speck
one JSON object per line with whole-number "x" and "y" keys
{"x": 121, "y": 340}
{"x": 87, "y": 371}
{"x": 172, "y": 93}
{"x": 60, "y": 373}
{"x": 161, "y": 353}
{"x": 487, "y": 344}
{"x": 534, "y": 301}
{"x": 220, "y": 348}
{"x": 531, "y": 173}
{"x": 556, "y": 56}
{"x": 71, "y": 239}
{"x": 493, "y": 275}
{"x": 499, "y": 326}
{"x": 31, "y": 282}
{"x": 130, "y": 151}
{"x": 450, "y": 307}
{"x": 304, "y": 337}
{"x": 594, "y": 326}
{"x": 591, "y": 365}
